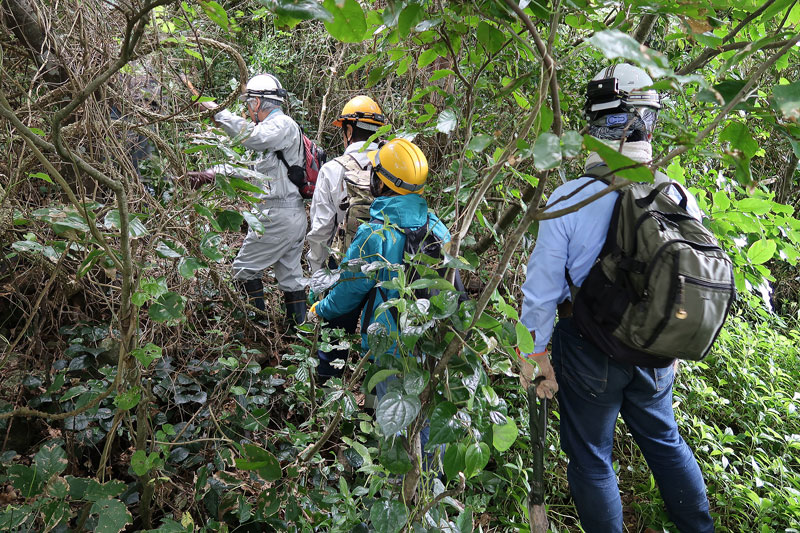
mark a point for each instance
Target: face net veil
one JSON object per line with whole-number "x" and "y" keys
{"x": 634, "y": 125}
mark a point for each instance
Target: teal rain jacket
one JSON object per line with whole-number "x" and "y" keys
{"x": 376, "y": 242}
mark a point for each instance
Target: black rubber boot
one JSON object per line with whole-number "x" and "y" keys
{"x": 254, "y": 288}
{"x": 295, "y": 307}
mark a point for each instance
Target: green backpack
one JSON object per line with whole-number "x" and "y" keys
{"x": 358, "y": 200}
{"x": 661, "y": 287}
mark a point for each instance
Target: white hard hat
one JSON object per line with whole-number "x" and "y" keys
{"x": 265, "y": 86}
{"x": 620, "y": 85}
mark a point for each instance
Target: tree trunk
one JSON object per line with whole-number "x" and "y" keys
{"x": 642, "y": 31}
{"x": 20, "y": 17}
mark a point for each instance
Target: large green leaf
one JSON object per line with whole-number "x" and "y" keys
{"x": 168, "y": 306}
{"x": 260, "y": 460}
{"x": 348, "y": 24}
{"x": 786, "y": 99}
{"x": 216, "y": 13}
{"x": 739, "y": 136}
{"x": 619, "y": 164}
{"x": 571, "y": 144}
{"x": 490, "y": 37}
{"x": 142, "y": 463}
{"x": 394, "y": 457}
{"x": 547, "y": 151}
{"x": 388, "y": 516}
{"x": 524, "y": 338}
{"x": 50, "y": 460}
{"x": 113, "y": 516}
{"x": 298, "y": 9}
{"x": 409, "y": 17}
{"x": 761, "y": 251}
{"x": 476, "y": 458}
{"x": 447, "y": 121}
{"x": 210, "y": 246}
{"x": 187, "y": 266}
{"x": 379, "y": 376}
{"x": 453, "y": 461}
{"x": 614, "y": 44}
{"x": 396, "y": 411}
{"x": 503, "y": 436}
{"x": 445, "y": 425}
{"x": 230, "y": 220}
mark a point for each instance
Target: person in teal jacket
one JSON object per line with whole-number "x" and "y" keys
{"x": 400, "y": 171}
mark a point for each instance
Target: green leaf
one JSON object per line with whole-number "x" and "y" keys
{"x": 426, "y": 58}
{"x": 379, "y": 376}
{"x": 147, "y": 354}
{"x": 229, "y": 220}
{"x": 721, "y": 201}
{"x": 761, "y": 251}
{"x": 524, "y": 338}
{"x": 739, "y": 136}
{"x": 409, "y": 17}
{"x": 210, "y": 246}
{"x": 206, "y": 212}
{"x": 440, "y": 74}
{"x": 503, "y": 436}
{"x": 388, "y": 516}
{"x": 394, "y": 457}
{"x": 396, "y": 411}
{"x": 476, "y": 458}
{"x": 135, "y": 227}
{"x": 786, "y": 99}
{"x": 348, "y": 24}
{"x": 614, "y": 44}
{"x": 260, "y": 460}
{"x": 95, "y": 491}
{"x": 244, "y": 185}
{"x": 128, "y": 399}
{"x": 453, "y": 461}
{"x": 414, "y": 381}
{"x": 187, "y": 266}
{"x": 447, "y": 121}
{"x": 621, "y": 165}
{"x": 571, "y": 144}
{"x": 547, "y": 151}
{"x": 141, "y": 463}
{"x": 757, "y": 206}
{"x": 479, "y": 142}
{"x": 445, "y": 425}
{"x": 253, "y": 221}
{"x": 298, "y": 9}
{"x": 113, "y": 516}
{"x": 41, "y": 176}
{"x": 216, "y": 13}
{"x": 168, "y": 306}
{"x": 490, "y": 37}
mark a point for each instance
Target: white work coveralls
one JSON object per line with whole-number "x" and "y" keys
{"x": 281, "y": 209}
{"x": 326, "y": 216}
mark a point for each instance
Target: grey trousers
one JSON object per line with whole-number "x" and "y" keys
{"x": 280, "y": 246}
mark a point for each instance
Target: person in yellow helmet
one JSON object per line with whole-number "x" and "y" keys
{"x": 398, "y": 178}
{"x": 339, "y": 206}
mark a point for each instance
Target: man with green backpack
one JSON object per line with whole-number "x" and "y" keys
{"x": 340, "y": 205}
{"x": 638, "y": 281}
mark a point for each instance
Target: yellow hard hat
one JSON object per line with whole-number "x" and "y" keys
{"x": 364, "y": 111}
{"x": 401, "y": 165}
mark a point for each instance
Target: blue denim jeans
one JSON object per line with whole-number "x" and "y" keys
{"x": 593, "y": 390}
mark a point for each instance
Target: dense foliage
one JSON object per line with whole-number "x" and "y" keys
{"x": 138, "y": 394}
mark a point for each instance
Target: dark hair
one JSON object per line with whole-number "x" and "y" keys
{"x": 359, "y": 134}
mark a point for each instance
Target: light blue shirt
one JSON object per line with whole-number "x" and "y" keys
{"x": 573, "y": 241}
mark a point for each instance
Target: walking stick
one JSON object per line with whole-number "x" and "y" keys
{"x": 538, "y": 424}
